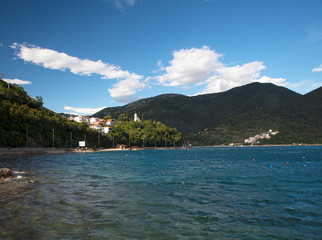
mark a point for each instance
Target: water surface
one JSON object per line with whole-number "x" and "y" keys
{"x": 198, "y": 193}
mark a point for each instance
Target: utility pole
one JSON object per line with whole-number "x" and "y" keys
{"x": 70, "y": 139}
{"x": 129, "y": 141}
{"x": 53, "y": 138}
{"x": 27, "y": 137}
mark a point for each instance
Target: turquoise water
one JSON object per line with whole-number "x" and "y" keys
{"x": 198, "y": 193}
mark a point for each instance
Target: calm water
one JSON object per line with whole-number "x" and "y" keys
{"x": 198, "y": 193}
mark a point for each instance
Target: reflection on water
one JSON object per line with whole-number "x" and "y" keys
{"x": 203, "y": 193}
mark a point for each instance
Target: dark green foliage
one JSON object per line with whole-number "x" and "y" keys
{"x": 145, "y": 133}
{"x": 24, "y": 122}
{"x": 236, "y": 114}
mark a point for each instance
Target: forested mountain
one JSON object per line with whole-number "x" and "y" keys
{"x": 24, "y": 122}
{"x": 236, "y": 114}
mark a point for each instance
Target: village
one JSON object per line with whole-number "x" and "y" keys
{"x": 101, "y": 125}
{"x": 256, "y": 139}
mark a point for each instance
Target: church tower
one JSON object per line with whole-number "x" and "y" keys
{"x": 136, "y": 118}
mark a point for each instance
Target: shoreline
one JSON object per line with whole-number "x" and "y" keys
{"x": 5, "y": 152}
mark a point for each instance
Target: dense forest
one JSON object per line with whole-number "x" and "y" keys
{"x": 146, "y": 133}
{"x": 24, "y": 122}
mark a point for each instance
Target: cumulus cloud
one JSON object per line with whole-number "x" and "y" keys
{"x": 190, "y": 66}
{"x": 52, "y": 59}
{"x": 17, "y": 81}
{"x": 85, "y": 111}
{"x": 197, "y": 66}
{"x": 124, "y": 90}
{"x": 318, "y": 69}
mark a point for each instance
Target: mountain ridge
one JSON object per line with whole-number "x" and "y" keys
{"x": 260, "y": 104}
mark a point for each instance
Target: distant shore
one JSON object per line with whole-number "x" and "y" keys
{"x": 32, "y": 151}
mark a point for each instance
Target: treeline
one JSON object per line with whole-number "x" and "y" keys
{"x": 24, "y": 122}
{"x": 146, "y": 133}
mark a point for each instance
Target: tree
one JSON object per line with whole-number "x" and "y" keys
{"x": 107, "y": 117}
{"x": 124, "y": 117}
{"x": 39, "y": 101}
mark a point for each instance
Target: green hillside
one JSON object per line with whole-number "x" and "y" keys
{"x": 24, "y": 122}
{"x": 236, "y": 114}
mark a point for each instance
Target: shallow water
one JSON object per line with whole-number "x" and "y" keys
{"x": 198, "y": 193}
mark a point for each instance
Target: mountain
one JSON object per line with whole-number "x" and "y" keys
{"x": 234, "y": 115}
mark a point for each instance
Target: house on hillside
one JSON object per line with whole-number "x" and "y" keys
{"x": 109, "y": 122}
{"x": 107, "y": 129}
{"x": 96, "y": 127}
{"x": 93, "y": 120}
{"x": 80, "y": 119}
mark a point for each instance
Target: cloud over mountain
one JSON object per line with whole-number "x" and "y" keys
{"x": 203, "y": 66}
{"x": 128, "y": 85}
{"x": 17, "y": 81}
{"x": 86, "y": 111}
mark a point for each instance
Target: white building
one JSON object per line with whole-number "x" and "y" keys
{"x": 93, "y": 120}
{"x": 109, "y": 122}
{"x": 77, "y": 119}
{"x": 107, "y": 129}
{"x": 96, "y": 127}
{"x": 136, "y": 118}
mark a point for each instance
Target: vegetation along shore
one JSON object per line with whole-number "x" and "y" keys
{"x": 254, "y": 114}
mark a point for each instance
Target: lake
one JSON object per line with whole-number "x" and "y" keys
{"x": 197, "y": 193}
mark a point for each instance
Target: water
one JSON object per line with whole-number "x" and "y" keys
{"x": 198, "y": 193}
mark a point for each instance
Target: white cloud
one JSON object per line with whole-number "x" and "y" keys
{"x": 197, "y": 66}
{"x": 318, "y": 69}
{"x": 85, "y": 111}
{"x": 276, "y": 81}
{"x": 17, "y": 81}
{"x": 129, "y": 83}
{"x": 304, "y": 86}
{"x": 124, "y": 90}
{"x": 190, "y": 66}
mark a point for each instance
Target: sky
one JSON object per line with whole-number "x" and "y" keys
{"x": 84, "y": 55}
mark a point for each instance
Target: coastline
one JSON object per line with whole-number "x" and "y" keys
{"x": 5, "y": 152}
{"x": 31, "y": 151}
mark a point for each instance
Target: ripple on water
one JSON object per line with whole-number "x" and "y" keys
{"x": 203, "y": 193}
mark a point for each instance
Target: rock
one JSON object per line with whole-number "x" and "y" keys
{"x": 5, "y": 173}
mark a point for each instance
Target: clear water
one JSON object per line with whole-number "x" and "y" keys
{"x": 198, "y": 193}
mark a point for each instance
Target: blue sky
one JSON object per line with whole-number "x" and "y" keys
{"x": 84, "y": 55}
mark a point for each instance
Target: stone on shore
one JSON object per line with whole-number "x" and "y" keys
{"x": 5, "y": 173}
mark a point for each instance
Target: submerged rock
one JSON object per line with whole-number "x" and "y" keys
{"x": 5, "y": 173}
